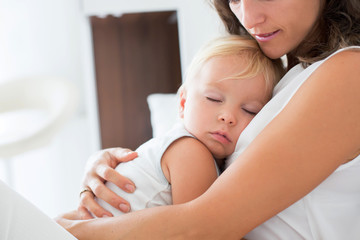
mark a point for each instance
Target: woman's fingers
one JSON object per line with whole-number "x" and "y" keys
{"x": 99, "y": 189}
{"x": 111, "y": 175}
{"x": 119, "y": 155}
{"x": 88, "y": 204}
{"x": 100, "y": 168}
{"x": 103, "y": 163}
{"x": 84, "y": 214}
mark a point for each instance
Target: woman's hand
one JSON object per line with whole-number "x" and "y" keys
{"x": 97, "y": 229}
{"x": 100, "y": 168}
{"x": 71, "y": 221}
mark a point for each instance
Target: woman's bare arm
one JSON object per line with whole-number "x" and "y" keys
{"x": 315, "y": 133}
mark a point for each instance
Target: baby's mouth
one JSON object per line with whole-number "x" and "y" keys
{"x": 222, "y": 137}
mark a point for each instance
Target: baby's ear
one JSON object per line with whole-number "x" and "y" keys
{"x": 182, "y": 97}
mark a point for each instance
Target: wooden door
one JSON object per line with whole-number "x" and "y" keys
{"x": 135, "y": 55}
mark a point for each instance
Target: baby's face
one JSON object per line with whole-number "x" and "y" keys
{"x": 215, "y": 110}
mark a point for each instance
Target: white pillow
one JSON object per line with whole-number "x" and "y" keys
{"x": 164, "y": 112}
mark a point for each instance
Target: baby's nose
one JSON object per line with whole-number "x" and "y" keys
{"x": 227, "y": 118}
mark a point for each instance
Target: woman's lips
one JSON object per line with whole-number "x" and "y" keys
{"x": 266, "y": 36}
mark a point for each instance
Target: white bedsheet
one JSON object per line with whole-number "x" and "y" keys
{"x": 20, "y": 220}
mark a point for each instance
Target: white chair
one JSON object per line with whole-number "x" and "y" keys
{"x": 32, "y": 110}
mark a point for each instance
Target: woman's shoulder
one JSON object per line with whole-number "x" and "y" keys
{"x": 343, "y": 65}
{"x": 338, "y": 74}
{"x": 342, "y": 62}
{"x": 346, "y": 56}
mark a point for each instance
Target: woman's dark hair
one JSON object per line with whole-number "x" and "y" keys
{"x": 338, "y": 27}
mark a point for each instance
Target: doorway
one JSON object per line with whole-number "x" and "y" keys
{"x": 135, "y": 55}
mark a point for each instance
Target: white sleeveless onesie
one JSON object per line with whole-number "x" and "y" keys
{"x": 332, "y": 210}
{"x": 152, "y": 187}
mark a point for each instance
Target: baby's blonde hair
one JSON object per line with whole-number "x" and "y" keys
{"x": 231, "y": 45}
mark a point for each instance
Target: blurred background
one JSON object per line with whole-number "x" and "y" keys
{"x": 113, "y": 53}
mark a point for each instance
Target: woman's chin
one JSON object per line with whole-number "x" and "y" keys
{"x": 272, "y": 53}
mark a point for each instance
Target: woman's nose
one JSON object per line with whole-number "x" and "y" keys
{"x": 250, "y": 13}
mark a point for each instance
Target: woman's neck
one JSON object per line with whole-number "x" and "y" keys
{"x": 291, "y": 61}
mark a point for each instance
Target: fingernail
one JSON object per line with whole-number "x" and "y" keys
{"x": 124, "y": 208}
{"x": 130, "y": 188}
{"x": 105, "y": 216}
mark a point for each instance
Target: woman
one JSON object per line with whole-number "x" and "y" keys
{"x": 297, "y": 176}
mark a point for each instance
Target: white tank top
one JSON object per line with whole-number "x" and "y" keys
{"x": 332, "y": 210}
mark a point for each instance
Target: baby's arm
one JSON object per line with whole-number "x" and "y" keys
{"x": 189, "y": 167}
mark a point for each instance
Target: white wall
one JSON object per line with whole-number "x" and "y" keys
{"x": 198, "y": 23}
{"x": 41, "y": 37}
